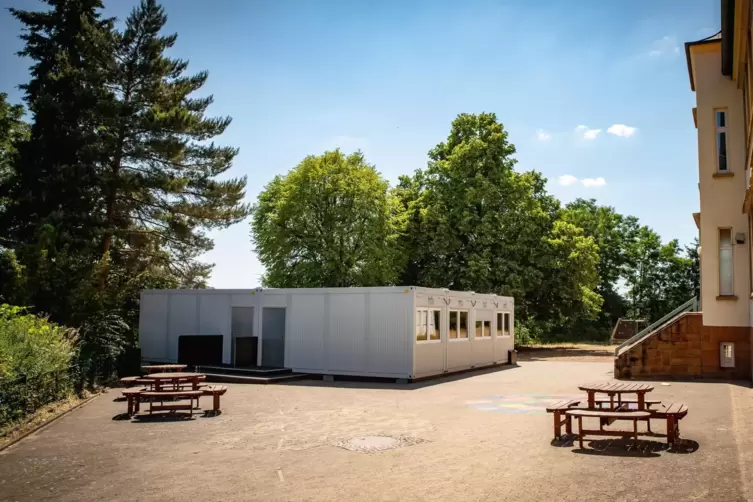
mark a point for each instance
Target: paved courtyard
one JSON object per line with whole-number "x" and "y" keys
{"x": 479, "y": 436}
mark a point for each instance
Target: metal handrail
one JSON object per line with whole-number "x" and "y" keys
{"x": 689, "y": 306}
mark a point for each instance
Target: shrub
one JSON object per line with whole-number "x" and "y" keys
{"x": 35, "y": 363}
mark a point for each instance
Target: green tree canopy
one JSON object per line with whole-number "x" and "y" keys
{"x": 329, "y": 222}
{"x": 474, "y": 223}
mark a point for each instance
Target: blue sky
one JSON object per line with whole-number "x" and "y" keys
{"x": 594, "y": 94}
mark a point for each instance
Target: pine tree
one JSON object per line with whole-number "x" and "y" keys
{"x": 159, "y": 184}
{"x": 50, "y": 218}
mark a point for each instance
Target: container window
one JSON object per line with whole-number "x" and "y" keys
{"x": 463, "y": 332}
{"x": 507, "y": 324}
{"x": 452, "y": 333}
{"x": 421, "y": 325}
{"x": 500, "y": 323}
{"x": 435, "y": 324}
{"x": 483, "y": 329}
{"x": 727, "y": 355}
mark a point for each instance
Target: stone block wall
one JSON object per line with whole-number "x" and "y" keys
{"x": 687, "y": 349}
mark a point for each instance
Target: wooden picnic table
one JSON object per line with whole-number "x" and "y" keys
{"x": 613, "y": 389}
{"x": 162, "y": 368}
{"x": 175, "y": 379}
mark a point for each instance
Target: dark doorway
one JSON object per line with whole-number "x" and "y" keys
{"x": 273, "y": 337}
{"x": 246, "y": 351}
{"x": 203, "y": 350}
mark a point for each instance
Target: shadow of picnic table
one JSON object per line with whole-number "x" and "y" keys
{"x": 644, "y": 448}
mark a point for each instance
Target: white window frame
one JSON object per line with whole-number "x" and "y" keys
{"x": 727, "y": 361}
{"x": 504, "y": 313}
{"x": 499, "y": 324}
{"x": 482, "y": 337}
{"x": 429, "y": 312}
{"x": 731, "y": 249}
{"x": 717, "y": 131}
{"x": 467, "y": 321}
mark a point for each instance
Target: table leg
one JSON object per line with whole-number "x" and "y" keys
{"x": 641, "y": 401}
{"x": 580, "y": 432}
{"x": 635, "y": 430}
{"x": 568, "y": 424}
{"x": 591, "y": 399}
{"x": 216, "y": 402}
{"x": 557, "y": 427}
{"x": 611, "y": 402}
{"x": 670, "y": 430}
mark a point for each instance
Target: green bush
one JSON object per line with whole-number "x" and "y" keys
{"x": 35, "y": 363}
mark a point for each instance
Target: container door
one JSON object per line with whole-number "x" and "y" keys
{"x": 273, "y": 337}
{"x": 243, "y": 344}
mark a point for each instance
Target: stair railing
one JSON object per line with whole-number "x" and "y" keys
{"x": 689, "y": 306}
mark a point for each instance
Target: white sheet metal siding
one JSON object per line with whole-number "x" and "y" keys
{"x": 304, "y": 336}
{"x": 345, "y": 341}
{"x": 350, "y": 333}
{"x": 153, "y": 326}
{"x": 183, "y": 320}
{"x": 390, "y": 335}
{"x": 215, "y": 316}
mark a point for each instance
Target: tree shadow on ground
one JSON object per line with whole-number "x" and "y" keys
{"x": 626, "y": 447}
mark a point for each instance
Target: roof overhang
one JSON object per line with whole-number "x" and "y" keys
{"x": 713, "y": 39}
{"x": 697, "y": 219}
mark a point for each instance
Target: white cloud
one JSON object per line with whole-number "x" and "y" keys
{"x": 567, "y": 180}
{"x": 593, "y": 182}
{"x": 622, "y": 130}
{"x": 586, "y": 132}
{"x": 665, "y": 46}
{"x": 543, "y": 135}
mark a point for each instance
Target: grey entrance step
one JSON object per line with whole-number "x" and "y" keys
{"x": 228, "y": 378}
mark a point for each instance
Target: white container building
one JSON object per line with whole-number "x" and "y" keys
{"x": 393, "y": 332}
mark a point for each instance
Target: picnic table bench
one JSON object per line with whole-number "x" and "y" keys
{"x": 133, "y": 397}
{"x": 160, "y": 396}
{"x": 215, "y": 391}
{"x": 633, "y": 416}
{"x": 673, "y": 413}
{"x": 560, "y": 418}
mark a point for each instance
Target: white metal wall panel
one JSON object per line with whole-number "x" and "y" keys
{"x": 429, "y": 358}
{"x": 184, "y": 318}
{"x": 458, "y": 355}
{"x": 390, "y": 339}
{"x": 153, "y": 326}
{"x": 482, "y": 352}
{"x": 304, "y": 340}
{"x": 345, "y": 341}
{"x": 215, "y": 318}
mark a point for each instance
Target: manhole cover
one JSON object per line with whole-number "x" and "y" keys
{"x": 372, "y": 444}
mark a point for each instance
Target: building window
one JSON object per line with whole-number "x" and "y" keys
{"x": 483, "y": 329}
{"x": 503, "y": 324}
{"x": 458, "y": 325}
{"x": 421, "y": 335}
{"x": 721, "y": 141}
{"x": 428, "y": 325}
{"x": 727, "y": 355}
{"x": 726, "y": 268}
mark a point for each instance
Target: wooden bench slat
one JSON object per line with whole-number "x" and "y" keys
{"x": 173, "y": 393}
{"x": 563, "y": 405}
{"x": 608, "y": 414}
